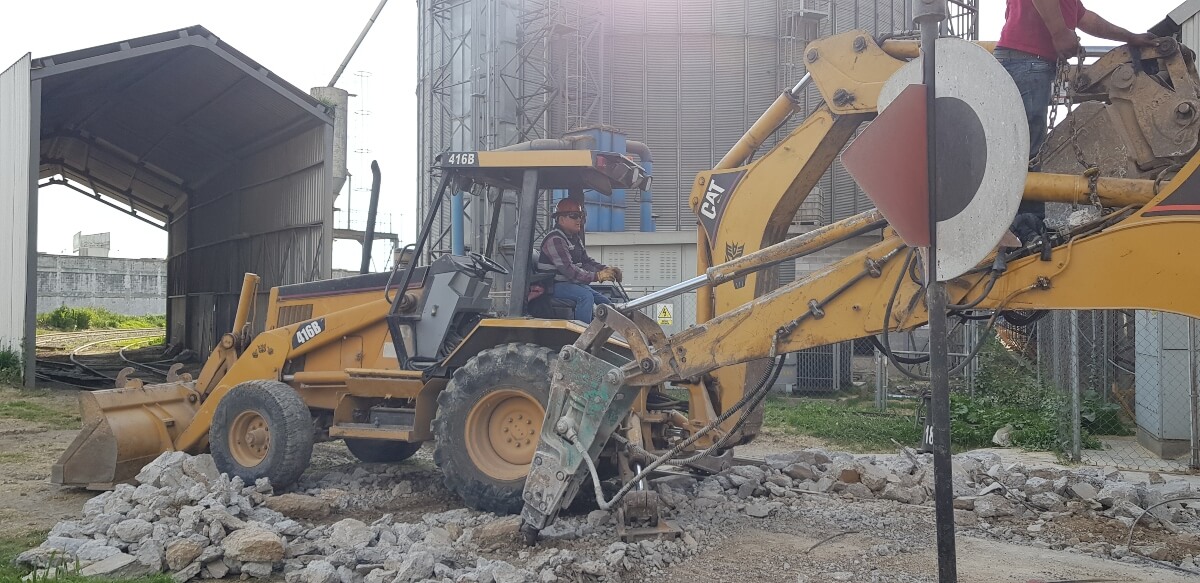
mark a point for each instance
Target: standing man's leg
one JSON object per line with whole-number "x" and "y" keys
{"x": 1034, "y": 78}
{"x": 582, "y": 295}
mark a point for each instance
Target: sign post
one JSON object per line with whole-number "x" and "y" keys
{"x": 929, "y": 14}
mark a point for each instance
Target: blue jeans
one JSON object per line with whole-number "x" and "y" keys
{"x": 1035, "y": 79}
{"x": 583, "y": 295}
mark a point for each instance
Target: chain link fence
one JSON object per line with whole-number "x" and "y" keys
{"x": 1129, "y": 379}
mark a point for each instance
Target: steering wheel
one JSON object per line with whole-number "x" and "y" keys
{"x": 487, "y": 264}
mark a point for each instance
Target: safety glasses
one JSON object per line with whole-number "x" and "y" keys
{"x": 574, "y": 216}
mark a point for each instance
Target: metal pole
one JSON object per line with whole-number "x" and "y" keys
{"x": 372, "y": 212}
{"x": 350, "y": 55}
{"x": 1194, "y": 359}
{"x": 928, "y": 14}
{"x": 880, "y": 381}
{"x": 1073, "y": 362}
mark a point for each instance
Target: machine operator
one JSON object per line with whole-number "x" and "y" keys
{"x": 562, "y": 253}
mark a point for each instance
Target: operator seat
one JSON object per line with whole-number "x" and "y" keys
{"x": 548, "y": 306}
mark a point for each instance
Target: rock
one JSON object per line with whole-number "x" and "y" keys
{"x": 1156, "y": 551}
{"x": 779, "y": 480}
{"x": 874, "y": 477}
{"x": 118, "y": 566}
{"x": 811, "y": 457}
{"x": 1155, "y": 478}
{"x": 598, "y": 517}
{"x": 181, "y": 552}
{"x": 298, "y": 506}
{"x": 151, "y": 555}
{"x": 903, "y": 494}
{"x": 415, "y": 567}
{"x": 379, "y": 576}
{"x": 253, "y": 544}
{"x": 201, "y": 468}
{"x": 752, "y": 473}
{"x": 133, "y": 530}
{"x": 1114, "y": 492}
{"x": 757, "y": 510}
{"x": 257, "y": 570}
{"x": 746, "y": 490}
{"x": 1003, "y": 436}
{"x": 498, "y": 531}
{"x": 216, "y": 570}
{"x": 504, "y": 572}
{"x": 992, "y": 505}
{"x": 800, "y": 471}
{"x": 965, "y": 503}
{"x": 965, "y": 518}
{"x": 1083, "y": 490}
{"x": 349, "y": 533}
{"x": 1049, "y": 500}
{"x": 848, "y": 474}
{"x": 825, "y": 484}
{"x": 152, "y": 473}
{"x": 1036, "y": 485}
{"x": 187, "y": 573}
{"x": 858, "y": 491}
{"x": 315, "y": 572}
{"x": 95, "y": 550}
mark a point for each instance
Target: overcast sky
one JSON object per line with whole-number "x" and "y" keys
{"x": 303, "y": 42}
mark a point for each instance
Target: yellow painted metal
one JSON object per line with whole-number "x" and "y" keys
{"x": 911, "y": 49}
{"x": 245, "y": 302}
{"x": 850, "y": 70}
{"x": 249, "y": 438}
{"x": 502, "y": 433}
{"x": 1074, "y": 189}
{"x": 536, "y": 159}
{"x": 783, "y": 107}
{"x": 123, "y": 430}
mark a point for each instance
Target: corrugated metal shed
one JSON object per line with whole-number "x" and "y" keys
{"x": 16, "y": 180}
{"x": 181, "y": 127}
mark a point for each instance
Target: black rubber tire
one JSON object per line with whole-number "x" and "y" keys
{"x": 508, "y": 366}
{"x": 381, "y": 451}
{"x": 288, "y": 420}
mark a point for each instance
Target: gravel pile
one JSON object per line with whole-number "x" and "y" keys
{"x": 187, "y": 519}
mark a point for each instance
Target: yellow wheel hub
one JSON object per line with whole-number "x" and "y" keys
{"x": 502, "y": 433}
{"x": 249, "y": 439}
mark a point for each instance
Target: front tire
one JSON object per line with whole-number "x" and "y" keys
{"x": 262, "y": 429}
{"x": 488, "y": 423}
{"x": 381, "y": 451}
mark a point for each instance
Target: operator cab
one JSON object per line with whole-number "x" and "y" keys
{"x": 514, "y": 187}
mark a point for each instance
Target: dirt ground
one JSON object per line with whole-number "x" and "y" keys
{"x": 764, "y": 551}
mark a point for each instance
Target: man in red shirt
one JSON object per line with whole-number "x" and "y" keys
{"x": 1036, "y": 35}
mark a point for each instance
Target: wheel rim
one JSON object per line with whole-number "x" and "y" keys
{"x": 249, "y": 439}
{"x": 502, "y": 433}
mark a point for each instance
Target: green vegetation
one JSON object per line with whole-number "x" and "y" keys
{"x": 70, "y": 319}
{"x": 30, "y": 410}
{"x": 11, "y": 546}
{"x": 1006, "y": 393}
{"x": 10, "y": 367}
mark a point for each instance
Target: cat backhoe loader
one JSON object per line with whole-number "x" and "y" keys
{"x": 388, "y": 364}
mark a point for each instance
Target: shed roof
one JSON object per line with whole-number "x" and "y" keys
{"x": 1175, "y": 18}
{"x": 147, "y": 120}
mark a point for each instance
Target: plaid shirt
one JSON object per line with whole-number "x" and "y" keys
{"x": 567, "y": 255}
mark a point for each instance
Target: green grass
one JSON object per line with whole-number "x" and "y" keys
{"x": 846, "y": 425}
{"x": 68, "y": 319}
{"x": 13, "y": 545}
{"x": 11, "y": 370}
{"x": 29, "y": 410}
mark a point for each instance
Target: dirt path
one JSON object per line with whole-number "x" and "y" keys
{"x": 32, "y": 436}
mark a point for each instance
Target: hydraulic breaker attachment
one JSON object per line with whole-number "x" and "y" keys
{"x": 638, "y": 517}
{"x": 123, "y": 430}
{"x": 587, "y": 402}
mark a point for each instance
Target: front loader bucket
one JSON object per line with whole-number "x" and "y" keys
{"x": 123, "y": 430}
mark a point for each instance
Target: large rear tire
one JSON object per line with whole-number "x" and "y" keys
{"x": 262, "y": 429}
{"x": 488, "y": 422}
{"x": 381, "y": 451}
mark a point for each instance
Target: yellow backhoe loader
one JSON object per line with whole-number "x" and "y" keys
{"x": 386, "y": 365}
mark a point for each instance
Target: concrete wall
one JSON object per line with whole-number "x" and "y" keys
{"x": 135, "y": 287}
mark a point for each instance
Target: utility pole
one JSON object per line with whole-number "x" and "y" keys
{"x": 928, "y": 15}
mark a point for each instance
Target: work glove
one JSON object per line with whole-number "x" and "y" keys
{"x": 606, "y": 274}
{"x": 617, "y": 274}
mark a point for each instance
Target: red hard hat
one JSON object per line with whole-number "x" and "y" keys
{"x": 568, "y": 205}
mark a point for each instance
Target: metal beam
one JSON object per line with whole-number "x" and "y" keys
{"x": 96, "y": 195}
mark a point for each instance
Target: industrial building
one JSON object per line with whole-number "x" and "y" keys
{"x": 187, "y": 133}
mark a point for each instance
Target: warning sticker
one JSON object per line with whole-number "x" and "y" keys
{"x": 663, "y": 314}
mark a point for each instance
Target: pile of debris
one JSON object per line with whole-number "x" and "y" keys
{"x": 186, "y": 518}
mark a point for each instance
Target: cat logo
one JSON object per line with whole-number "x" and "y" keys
{"x": 711, "y": 207}
{"x": 308, "y": 332}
